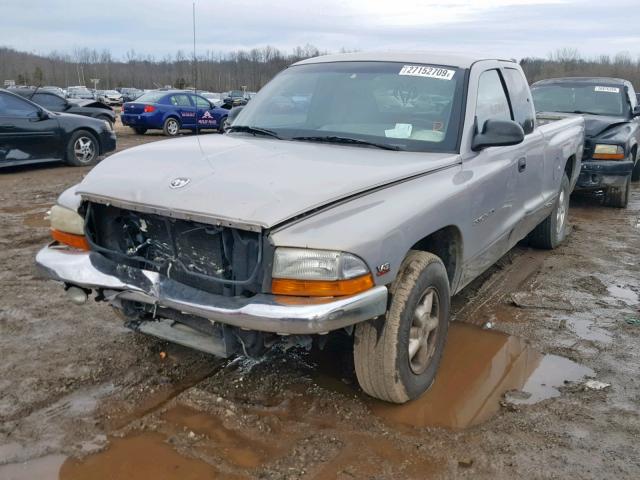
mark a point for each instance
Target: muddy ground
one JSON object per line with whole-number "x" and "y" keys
{"x": 81, "y": 397}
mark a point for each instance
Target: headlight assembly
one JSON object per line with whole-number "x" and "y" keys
{"x": 67, "y": 227}
{"x": 608, "y": 152}
{"x": 324, "y": 273}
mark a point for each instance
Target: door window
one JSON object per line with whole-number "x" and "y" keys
{"x": 50, "y": 101}
{"x": 520, "y": 96}
{"x": 180, "y": 100}
{"x": 202, "y": 103}
{"x": 492, "y": 100}
{"x": 11, "y": 106}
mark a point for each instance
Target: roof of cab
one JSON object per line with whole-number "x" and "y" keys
{"x": 587, "y": 80}
{"x": 460, "y": 60}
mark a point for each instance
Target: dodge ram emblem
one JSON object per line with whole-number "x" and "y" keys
{"x": 179, "y": 182}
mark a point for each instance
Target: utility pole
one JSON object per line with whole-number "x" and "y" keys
{"x": 95, "y": 81}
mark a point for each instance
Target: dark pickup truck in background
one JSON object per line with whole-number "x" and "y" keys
{"x": 612, "y": 130}
{"x": 78, "y": 106}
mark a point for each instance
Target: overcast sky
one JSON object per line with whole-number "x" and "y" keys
{"x": 509, "y": 28}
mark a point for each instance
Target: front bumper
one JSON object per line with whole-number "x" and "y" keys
{"x": 596, "y": 174}
{"x": 108, "y": 141}
{"x": 137, "y": 120}
{"x": 262, "y": 312}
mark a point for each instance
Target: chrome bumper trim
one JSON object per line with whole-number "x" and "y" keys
{"x": 262, "y": 312}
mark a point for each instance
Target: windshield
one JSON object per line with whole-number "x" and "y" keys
{"x": 578, "y": 97}
{"x": 410, "y": 107}
{"x": 151, "y": 97}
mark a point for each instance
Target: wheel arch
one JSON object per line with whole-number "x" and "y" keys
{"x": 446, "y": 243}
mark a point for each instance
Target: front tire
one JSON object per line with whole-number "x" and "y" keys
{"x": 224, "y": 125}
{"x": 551, "y": 232}
{"x": 618, "y": 197}
{"x": 397, "y": 357}
{"x": 171, "y": 127}
{"x": 139, "y": 130}
{"x": 83, "y": 149}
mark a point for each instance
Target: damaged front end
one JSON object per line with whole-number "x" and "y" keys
{"x": 202, "y": 285}
{"x": 215, "y": 259}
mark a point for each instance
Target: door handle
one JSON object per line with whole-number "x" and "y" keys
{"x": 522, "y": 164}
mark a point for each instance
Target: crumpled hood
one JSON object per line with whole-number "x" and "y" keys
{"x": 256, "y": 181}
{"x": 596, "y": 124}
{"x": 79, "y": 102}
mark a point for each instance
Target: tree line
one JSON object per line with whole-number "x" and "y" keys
{"x": 213, "y": 71}
{"x": 253, "y": 68}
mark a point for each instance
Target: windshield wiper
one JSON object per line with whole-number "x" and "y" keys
{"x": 582, "y": 112}
{"x": 254, "y": 130}
{"x": 336, "y": 139}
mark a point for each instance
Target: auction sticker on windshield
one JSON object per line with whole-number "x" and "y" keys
{"x": 608, "y": 89}
{"x": 428, "y": 72}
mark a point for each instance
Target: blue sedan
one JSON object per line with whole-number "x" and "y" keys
{"x": 171, "y": 111}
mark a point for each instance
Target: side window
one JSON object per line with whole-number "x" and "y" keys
{"x": 11, "y": 106}
{"x": 633, "y": 99}
{"x": 48, "y": 100}
{"x": 201, "y": 102}
{"x": 520, "y": 99}
{"x": 492, "y": 100}
{"x": 181, "y": 100}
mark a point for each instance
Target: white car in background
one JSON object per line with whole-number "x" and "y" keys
{"x": 215, "y": 98}
{"x": 110, "y": 97}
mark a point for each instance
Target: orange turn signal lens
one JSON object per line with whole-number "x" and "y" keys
{"x": 321, "y": 288}
{"x": 70, "y": 239}
{"x": 608, "y": 156}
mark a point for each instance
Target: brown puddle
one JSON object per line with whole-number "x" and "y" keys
{"x": 477, "y": 368}
{"x": 141, "y": 456}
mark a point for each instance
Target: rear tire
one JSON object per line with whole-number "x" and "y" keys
{"x": 171, "y": 127}
{"x": 139, "y": 130}
{"x": 551, "y": 232}
{"x": 397, "y": 357}
{"x": 83, "y": 149}
{"x": 618, "y": 197}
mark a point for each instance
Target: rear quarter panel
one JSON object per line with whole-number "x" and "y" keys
{"x": 565, "y": 140}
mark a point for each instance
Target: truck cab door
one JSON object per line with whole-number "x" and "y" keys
{"x": 26, "y": 135}
{"x": 185, "y": 108}
{"x": 528, "y": 206}
{"x": 494, "y": 181}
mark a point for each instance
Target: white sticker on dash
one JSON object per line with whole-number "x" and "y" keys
{"x": 427, "y": 72}
{"x": 608, "y": 89}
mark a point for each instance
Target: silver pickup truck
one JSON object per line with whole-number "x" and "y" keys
{"x": 355, "y": 193}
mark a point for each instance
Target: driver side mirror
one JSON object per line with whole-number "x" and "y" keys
{"x": 43, "y": 115}
{"x": 636, "y": 111}
{"x": 498, "y": 133}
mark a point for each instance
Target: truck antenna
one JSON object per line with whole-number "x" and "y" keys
{"x": 195, "y": 64}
